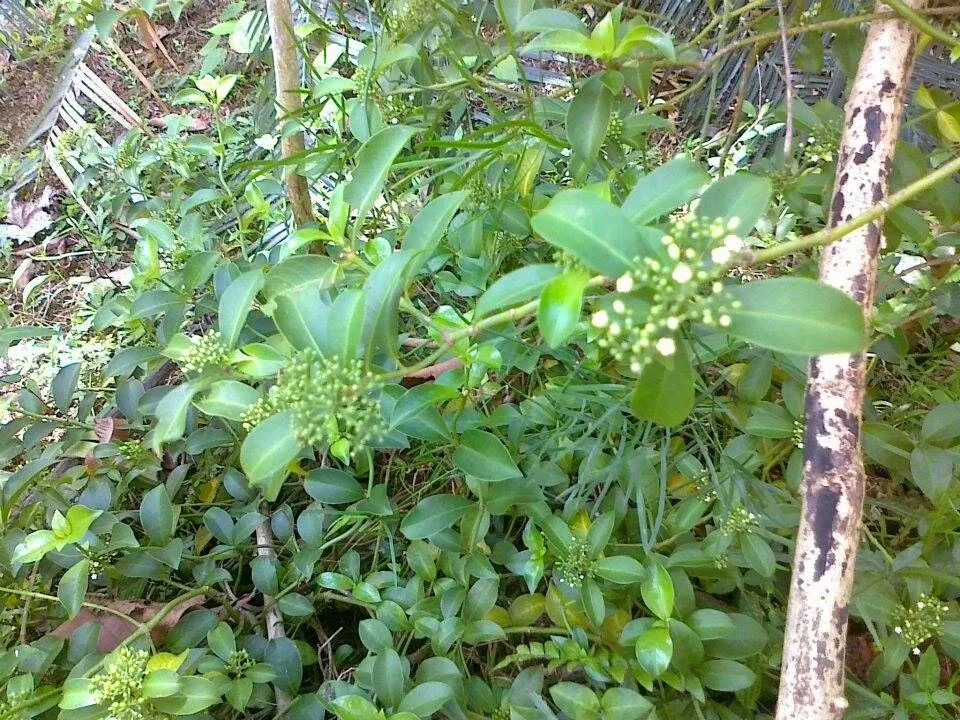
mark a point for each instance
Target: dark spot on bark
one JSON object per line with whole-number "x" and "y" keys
{"x": 873, "y": 239}
{"x": 819, "y": 458}
{"x": 888, "y": 86}
{"x": 821, "y": 515}
{"x": 837, "y": 207}
{"x": 840, "y": 616}
{"x": 823, "y": 658}
{"x": 872, "y": 120}
{"x": 856, "y": 111}
{"x": 849, "y": 422}
{"x": 877, "y": 192}
{"x": 814, "y": 371}
{"x": 863, "y": 154}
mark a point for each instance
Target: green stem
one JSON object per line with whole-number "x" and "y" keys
{"x": 51, "y": 598}
{"x": 829, "y": 235}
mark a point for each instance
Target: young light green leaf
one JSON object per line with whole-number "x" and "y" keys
{"x": 591, "y": 229}
{"x": 797, "y": 315}
{"x": 561, "y": 303}
{"x": 373, "y": 165}
{"x": 300, "y": 272}
{"x": 269, "y": 448}
{"x": 942, "y": 424}
{"x": 547, "y": 19}
{"x": 482, "y": 455}
{"x": 235, "y": 305}
{"x": 426, "y": 699}
{"x": 428, "y": 227}
{"x": 577, "y": 701}
{"x": 657, "y": 592}
{"x": 588, "y": 118}
{"x": 343, "y": 331}
{"x": 172, "y": 412}
{"x": 654, "y": 650}
{"x": 664, "y": 189}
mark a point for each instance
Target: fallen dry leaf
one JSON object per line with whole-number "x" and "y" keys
{"x": 27, "y": 218}
{"x": 114, "y": 630}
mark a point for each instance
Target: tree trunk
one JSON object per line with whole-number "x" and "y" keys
{"x": 812, "y": 675}
{"x": 286, "y": 71}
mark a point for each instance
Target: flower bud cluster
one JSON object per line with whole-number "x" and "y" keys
{"x": 615, "y": 128}
{"x": 238, "y": 662}
{"x": 482, "y": 193}
{"x": 120, "y": 687}
{"x": 921, "y": 621}
{"x": 576, "y": 566}
{"x": 698, "y": 252}
{"x": 824, "y": 144}
{"x": 408, "y": 16}
{"x": 205, "y": 351}
{"x": 739, "y": 522}
{"x": 329, "y": 399}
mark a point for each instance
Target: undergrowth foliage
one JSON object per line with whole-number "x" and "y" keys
{"x": 514, "y": 430}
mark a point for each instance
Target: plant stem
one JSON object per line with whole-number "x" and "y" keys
{"x": 921, "y": 23}
{"x": 829, "y": 235}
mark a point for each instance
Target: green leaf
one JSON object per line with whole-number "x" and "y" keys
{"x": 383, "y": 289}
{"x": 654, "y": 650}
{"x": 742, "y": 196}
{"x": 156, "y": 515}
{"x": 577, "y": 701}
{"x": 563, "y": 41}
{"x": 77, "y": 693}
{"x": 665, "y": 393}
{"x": 160, "y": 683}
{"x": 588, "y": 118}
{"x": 514, "y": 288}
{"x": 620, "y": 569}
{"x": 621, "y": 703}
{"x": 355, "y": 707}
{"x": 547, "y": 19}
{"x": 725, "y": 675}
{"x": 433, "y": 514}
{"x": 664, "y": 189}
{"x": 711, "y": 624}
{"x": 228, "y": 399}
{"x": 171, "y": 414}
{"x": 656, "y": 589}
{"x": 25, "y": 332}
{"x": 932, "y": 471}
{"x": 283, "y": 656}
{"x": 235, "y": 305}
{"x": 64, "y": 385}
{"x": 757, "y": 553}
{"x": 73, "y": 587}
{"x": 373, "y": 165}
{"x": 591, "y": 229}
{"x": 222, "y": 641}
{"x": 298, "y": 273}
{"x": 343, "y": 333}
{"x": 797, "y": 315}
{"x": 195, "y": 694}
{"x": 426, "y": 699}
{"x": 640, "y": 35}
{"x": 269, "y": 448}
{"x": 560, "y": 306}
{"x": 482, "y": 455}
{"x": 770, "y": 420}
{"x": 299, "y": 318}
{"x": 942, "y": 424}
{"x": 333, "y": 486}
{"x": 428, "y": 227}
{"x": 375, "y": 636}
{"x": 592, "y": 598}
{"x": 388, "y": 677}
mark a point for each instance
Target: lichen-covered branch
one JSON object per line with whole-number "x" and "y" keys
{"x": 812, "y": 675}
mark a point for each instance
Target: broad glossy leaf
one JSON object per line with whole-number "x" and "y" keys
{"x": 426, "y": 699}
{"x": 433, "y": 514}
{"x": 64, "y": 385}
{"x": 664, "y": 189}
{"x": 300, "y": 272}
{"x": 373, "y": 165}
{"x": 797, "y": 315}
{"x": 942, "y": 424}
{"x": 725, "y": 675}
{"x": 561, "y": 303}
{"x": 172, "y": 412}
{"x": 588, "y": 118}
{"x": 564, "y": 41}
{"x": 577, "y": 701}
{"x": 343, "y": 334}
{"x": 932, "y": 471}
{"x": 383, "y": 289}
{"x": 388, "y": 677}
{"x": 656, "y": 588}
{"x": 330, "y": 485}
{"x": 227, "y": 398}
{"x": 299, "y": 318}
{"x": 591, "y": 229}
{"x": 640, "y": 35}
{"x": 547, "y": 19}
{"x": 284, "y": 657}
{"x": 157, "y": 515}
{"x": 664, "y": 394}
{"x": 269, "y": 448}
{"x": 620, "y": 569}
{"x": 235, "y": 305}
{"x": 428, "y": 227}
{"x": 742, "y": 196}
{"x": 514, "y": 288}
{"x": 654, "y": 650}
{"x": 72, "y": 588}
{"x": 482, "y": 455}
{"x": 621, "y": 703}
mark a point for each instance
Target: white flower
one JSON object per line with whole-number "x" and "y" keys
{"x": 733, "y": 243}
{"x": 619, "y": 307}
{"x": 898, "y": 630}
{"x": 724, "y": 321}
{"x": 624, "y": 283}
{"x": 682, "y": 273}
{"x": 717, "y": 288}
{"x": 916, "y": 651}
{"x": 666, "y": 346}
{"x": 673, "y": 251}
{"x": 635, "y": 367}
{"x": 672, "y": 323}
{"x": 600, "y": 319}
{"x": 614, "y": 329}
{"x": 720, "y": 256}
{"x": 733, "y": 223}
